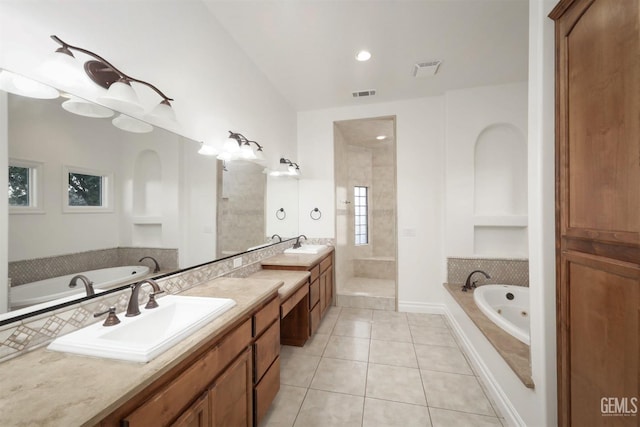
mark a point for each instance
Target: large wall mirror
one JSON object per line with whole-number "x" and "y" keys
{"x": 85, "y": 195}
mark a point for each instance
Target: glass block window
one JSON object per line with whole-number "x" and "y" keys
{"x": 360, "y": 206}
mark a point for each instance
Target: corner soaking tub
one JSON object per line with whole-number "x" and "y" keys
{"x": 507, "y": 306}
{"x": 57, "y": 288}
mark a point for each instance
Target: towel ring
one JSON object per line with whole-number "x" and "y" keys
{"x": 315, "y": 214}
{"x": 281, "y": 214}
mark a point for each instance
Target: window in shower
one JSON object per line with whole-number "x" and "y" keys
{"x": 361, "y": 205}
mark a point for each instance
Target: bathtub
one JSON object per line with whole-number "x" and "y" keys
{"x": 507, "y": 306}
{"x": 57, "y": 289}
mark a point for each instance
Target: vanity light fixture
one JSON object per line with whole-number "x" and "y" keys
{"x": 287, "y": 168}
{"x": 85, "y": 108}
{"x": 238, "y": 147}
{"x": 207, "y": 149}
{"x": 120, "y": 95}
{"x": 23, "y": 86}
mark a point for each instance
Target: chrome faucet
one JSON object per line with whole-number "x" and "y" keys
{"x": 469, "y": 285}
{"x": 157, "y": 266}
{"x": 88, "y": 284}
{"x": 133, "y": 309}
{"x": 278, "y": 236}
{"x": 297, "y": 244}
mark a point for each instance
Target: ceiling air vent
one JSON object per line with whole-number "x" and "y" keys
{"x": 362, "y": 93}
{"x": 424, "y": 69}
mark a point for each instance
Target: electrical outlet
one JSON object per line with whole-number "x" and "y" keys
{"x": 237, "y": 262}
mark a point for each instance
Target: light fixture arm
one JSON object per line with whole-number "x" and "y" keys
{"x": 242, "y": 140}
{"x": 67, "y": 46}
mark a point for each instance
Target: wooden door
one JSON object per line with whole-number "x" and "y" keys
{"x": 598, "y": 211}
{"x": 197, "y": 415}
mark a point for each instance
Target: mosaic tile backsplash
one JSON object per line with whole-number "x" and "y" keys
{"x": 37, "y": 331}
{"x": 32, "y": 270}
{"x": 504, "y": 271}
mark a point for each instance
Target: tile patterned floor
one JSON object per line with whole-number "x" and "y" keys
{"x": 370, "y": 368}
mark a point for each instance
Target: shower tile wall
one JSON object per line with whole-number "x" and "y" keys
{"x": 383, "y": 202}
{"x": 241, "y": 221}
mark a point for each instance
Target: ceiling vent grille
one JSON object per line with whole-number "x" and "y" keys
{"x": 361, "y": 93}
{"x": 424, "y": 69}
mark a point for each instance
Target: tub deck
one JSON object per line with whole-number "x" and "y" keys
{"x": 513, "y": 351}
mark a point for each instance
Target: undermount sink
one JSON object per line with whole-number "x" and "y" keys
{"x": 306, "y": 249}
{"x": 144, "y": 337}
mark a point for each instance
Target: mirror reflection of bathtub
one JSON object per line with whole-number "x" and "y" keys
{"x": 56, "y": 290}
{"x": 507, "y": 306}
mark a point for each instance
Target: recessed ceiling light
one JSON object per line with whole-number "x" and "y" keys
{"x": 381, "y": 137}
{"x": 363, "y": 55}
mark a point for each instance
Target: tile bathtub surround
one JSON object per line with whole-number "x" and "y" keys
{"x": 356, "y": 372}
{"x": 32, "y": 270}
{"x": 34, "y": 332}
{"x": 505, "y": 271}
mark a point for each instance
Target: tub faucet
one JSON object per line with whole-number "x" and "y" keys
{"x": 157, "y": 266}
{"x": 88, "y": 284}
{"x": 278, "y": 236}
{"x": 133, "y": 309}
{"x": 469, "y": 285}
{"x": 297, "y": 244}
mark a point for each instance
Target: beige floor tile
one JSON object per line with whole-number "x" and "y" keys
{"x": 349, "y": 348}
{"x": 392, "y": 353}
{"x": 431, "y": 335}
{"x": 340, "y": 376}
{"x": 391, "y": 331}
{"x": 328, "y": 322}
{"x": 325, "y": 409}
{"x": 424, "y": 319}
{"x": 298, "y": 369}
{"x": 395, "y": 383}
{"x": 445, "y": 418}
{"x": 348, "y": 313}
{"x": 383, "y": 413}
{"x": 285, "y": 407}
{"x": 443, "y": 359}
{"x": 352, "y": 328}
{"x": 389, "y": 316}
{"x": 456, "y": 392}
{"x": 313, "y": 347}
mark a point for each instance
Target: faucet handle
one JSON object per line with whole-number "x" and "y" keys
{"x": 152, "y": 303}
{"x": 111, "y": 319}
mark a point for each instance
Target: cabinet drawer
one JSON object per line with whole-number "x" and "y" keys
{"x": 234, "y": 343}
{"x": 266, "y": 316}
{"x": 314, "y": 293}
{"x": 265, "y": 351}
{"x": 266, "y": 390}
{"x": 325, "y": 263}
{"x": 314, "y": 319}
{"x": 315, "y": 272}
{"x": 293, "y": 300}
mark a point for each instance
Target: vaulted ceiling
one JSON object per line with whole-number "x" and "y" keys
{"x": 307, "y": 48}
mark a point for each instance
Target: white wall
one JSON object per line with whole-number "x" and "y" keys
{"x": 542, "y": 210}
{"x": 469, "y": 112}
{"x": 4, "y": 205}
{"x": 420, "y": 176}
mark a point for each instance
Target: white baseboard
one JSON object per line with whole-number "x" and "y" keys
{"x": 507, "y": 410}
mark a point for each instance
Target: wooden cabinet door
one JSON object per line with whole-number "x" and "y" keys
{"x": 328, "y": 284}
{"x": 598, "y": 211}
{"x": 230, "y": 397}
{"x": 197, "y": 415}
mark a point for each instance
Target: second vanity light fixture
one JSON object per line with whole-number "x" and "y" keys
{"x": 235, "y": 147}
{"x": 287, "y": 168}
{"x": 120, "y": 95}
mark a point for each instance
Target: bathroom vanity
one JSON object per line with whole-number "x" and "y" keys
{"x": 226, "y": 373}
{"x": 321, "y": 282}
